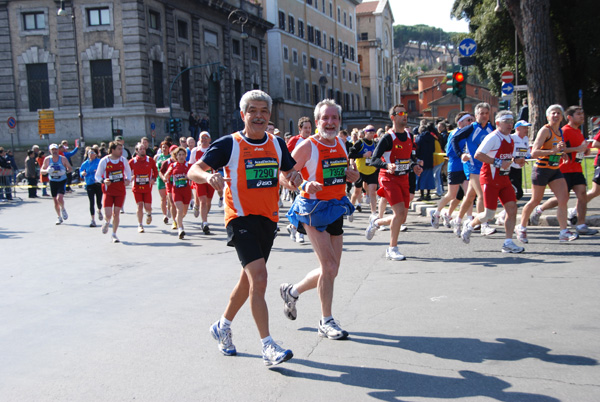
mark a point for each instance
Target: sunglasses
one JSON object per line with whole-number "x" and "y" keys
{"x": 369, "y": 131}
{"x": 399, "y": 114}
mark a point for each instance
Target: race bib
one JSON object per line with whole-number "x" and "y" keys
{"x": 504, "y": 172}
{"x": 579, "y": 157}
{"x": 58, "y": 172}
{"x": 261, "y": 172}
{"x": 334, "y": 171}
{"x": 368, "y": 161}
{"x": 402, "y": 166}
{"x": 180, "y": 180}
{"x": 142, "y": 179}
{"x": 554, "y": 160}
{"x": 115, "y": 176}
{"x": 521, "y": 152}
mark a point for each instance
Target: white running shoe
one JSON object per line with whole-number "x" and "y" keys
{"x": 372, "y": 227}
{"x": 289, "y": 301}
{"x": 383, "y": 228}
{"x": 567, "y": 235}
{"x": 585, "y": 230}
{"x": 140, "y": 229}
{"x": 435, "y": 219}
{"x": 196, "y": 212}
{"x": 351, "y": 217}
{"x": 534, "y": 219}
{"x": 273, "y": 354}
{"x": 148, "y": 219}
{"x": 466, "y": 232}
{"x": 299, "y": 237}
{"x": 59, "y": 220}
{"x": 105, "y": 227}
{"x": 510, "y": 247}
{"x": 446, "y": 219}
{"x": 93, "y": 223}
{"x": 181, "y": 233}
{"x": 500, "y": 218}
{"x": 223, "y": 336}
{"x": 292, "y": 231}
{"x": 487, "y": 230}
{"x": 456, "y": 227}
{"x": 403, "y": 228}
{"x": 220, "y": 202}
{"x": 65, "y": 215}
{"x": 331, "y": 330}
{"x": 100, "y": 216}
{"x": 392, "y": 253}
{"x": 572, "y": 216}
{"x": 521, "y": 233}
{"x": 114, "y": 238}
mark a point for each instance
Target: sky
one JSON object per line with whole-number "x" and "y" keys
{"x": 429, "y": 12}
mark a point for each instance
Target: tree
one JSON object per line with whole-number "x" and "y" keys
{"x": 559, "y": 45}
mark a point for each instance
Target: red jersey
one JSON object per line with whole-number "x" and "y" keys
{"x": 179, "y": 175}
{"x": 327, "y": 165}
{"x": 496, "y": 146}
{"x": 596, "y": 138}
{"x": 573, "y": 137}
{"x": 294, "y": 142}
{"x": 163, "y": 169}
{"x": 400, "y": 154}
{"x": 116, "y": 173}
{"x": 144, "y": 171}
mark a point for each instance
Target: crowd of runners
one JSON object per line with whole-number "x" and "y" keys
{"x": 324, "y": 172}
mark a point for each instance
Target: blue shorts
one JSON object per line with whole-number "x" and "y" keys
{"x": 318, "y": 213}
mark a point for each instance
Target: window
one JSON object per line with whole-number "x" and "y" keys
{"x": 211, "y": 38}
{"x": 315, "y": 94}
{"x": 282, "y": 20}
{"x": 254, "y": 53}
{"x": 288, "y": 88}
{"x": 364, "y": 36}
{"x": 298, "y": 91}
{"x": 102, "y": 83}
{"x": 311, "y": 33}
{"x": 186, "y": 99}
{"x": 335, "y": 70}
{"x": 304, "y": 60}
{"x": 343, "y": 74}
{"x": 301, "y": 29}
{"x": 330, "y": 10}
{"x": 349, "y": 76}
{"x": 295, "y": 56}
{"x": 286, "y": 54}
{"x": 332, "y": 44}
{"x": 317, "y": 37}
{"x": 235, "y": 47}
{"x": 346, "y": 51}
{"x": 237, "y": 90}
{"x": 324, "y": 40}
{"x": 320, "y": 65}
{"x": 350, "y": 21}
{"x": 157, "y": 72}
{"x": 154, "y": 20}
{"x": 355, "y": 78}
{"x": 309, "y": 2}
{"x": 412, "y": 105}
{"x": 328, "y": 68}
{"x": 98, "y": 16}
{"x": 340, "y": 47}
{"x": 182, "y": 29}
{"x": 33, "y": 21}
{"x": 37, "y": 86}
{"x": 291, "y": 25}
{"x": 313, "y": 63}
{"x": 306, "y": 92}
{"x": 339, "y": 15}
{"x": 352, "y": 53}
{"x": 345, "y": 19}
{"x": 323, "y": 6}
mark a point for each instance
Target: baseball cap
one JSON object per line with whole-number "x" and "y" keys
{"x": 53, "y": 146}
{"x": 522, "y": 123}
{"x": 119, "y": 138}
{"x": 173, "y": 147}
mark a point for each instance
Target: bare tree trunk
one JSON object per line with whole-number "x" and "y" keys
{"x": 544, "y": 78}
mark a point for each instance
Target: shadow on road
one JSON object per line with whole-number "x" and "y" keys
{"x": 390, "y": 384}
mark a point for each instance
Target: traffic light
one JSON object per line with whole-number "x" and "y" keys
{"x": 171, "y": 126}
{"x": 504, "y": 105}
{"x": 177, "y": 125}
{"x": 457, "y": 83}
{"x": 174, "y": 126}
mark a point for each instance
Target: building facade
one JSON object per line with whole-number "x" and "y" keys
{"x": 312, "y": 55}
{"x": 134, "y": 57}
{"x": 378, "y": 66}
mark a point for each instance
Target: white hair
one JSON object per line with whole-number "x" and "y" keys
{"x": 327, "y": 102}
{"x": 255, "y": 95}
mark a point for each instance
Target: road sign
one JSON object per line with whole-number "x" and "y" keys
{"x": 11, "y": 122}
{"x": 595, "y": 121}
{"x": 507, "y": 77}
{"x": 152, "y": 126}
{"x": 507, "y": 89}
{"x": 466, "y": 61}
{"x": 521, "y": 88}
{"x": 163, "y": 110}
{"x": 467, "y": 47}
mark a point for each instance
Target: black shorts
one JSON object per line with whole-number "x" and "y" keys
{"x": 457, "y": 177}
{"x": 335, "y": 228}
{"x": 574, "y": 179}
{"x": 57, "y": 187}
{"x": 412, "y": 182}
{"x": 252, "y": 236}
{"x": 542, "y": 176}
{"x": 369, "y": 178}
{"x": 596, "y": 178}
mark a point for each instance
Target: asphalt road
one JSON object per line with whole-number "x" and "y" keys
{"x": 82, "y": 319}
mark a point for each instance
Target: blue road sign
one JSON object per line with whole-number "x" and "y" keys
{"x": 11, "y": 122}
{"x": 152, "y": 126}
{"x": 467, "y": 47}
{"x": 507, "y": 89}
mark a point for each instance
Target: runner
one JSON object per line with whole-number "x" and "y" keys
{"x": 319, "y": 212}
{"x": 361, "y": 152}
{"x": 203, "y": 192}
{"x": 395, "y": 158}
{"x": 252, "y": 160}
{"x": 497, "y": 152}
{"x": 94, "y": 189}
{"x": 57, "y": 166}
{"x": 114, "y": 174}
{"x": 548, "y": 148}
{"x": 144, "y": 172}
{"x": 169, "y": 185}
{"x": 182, "y": 190}
{"x": 162, "y": 188}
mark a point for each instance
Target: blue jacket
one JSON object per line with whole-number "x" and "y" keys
{"x": 89, "y": 167}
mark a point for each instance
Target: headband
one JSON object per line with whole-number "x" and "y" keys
{"x": 465, "y": 117}
{"x": 505, "y": 117}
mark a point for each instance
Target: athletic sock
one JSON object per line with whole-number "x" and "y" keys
{"x": 224, "y": 323}
{"x": 265, "y": 341}
{"x": 325, "y": 319}
{"x": 294, "y": 292}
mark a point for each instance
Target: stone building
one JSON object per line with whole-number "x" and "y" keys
{"x": 312, "y": 55}
{"x": 130, "y": 52}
